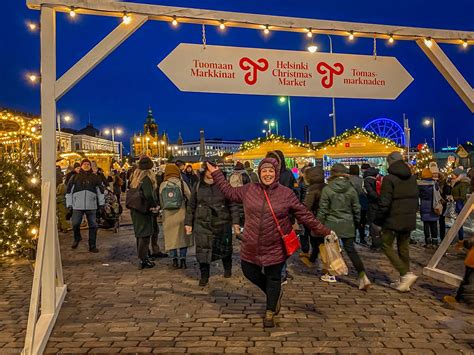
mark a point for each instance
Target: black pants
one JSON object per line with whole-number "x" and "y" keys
{"x": 268, "y": 280}
{"x": 442, "y": 227}
{"x": 155, "y": 248}
{"x": 348, "y": 244}
{"x": 361, "y": 226}
{"x": 431, "y": 231}
{"x": 142, "y": 247}
{"x": 315, "y": 243}
{"x": 205, "y": 268}
{"x": 466, "y": 289}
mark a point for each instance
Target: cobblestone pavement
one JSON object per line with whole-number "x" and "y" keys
{"x": 112, "y": 307}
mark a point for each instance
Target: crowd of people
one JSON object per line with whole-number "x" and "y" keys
{"x": 207, "y": 209}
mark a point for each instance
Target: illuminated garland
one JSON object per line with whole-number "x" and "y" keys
{"x": 20, "y": 193}
{"x": 28, "y": 129}
{"x": 333, "y": 142}
{"x": 273, "y": 138}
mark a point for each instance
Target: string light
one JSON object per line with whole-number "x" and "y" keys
{"x": 310, "y": 33}
{"x": 464, "y": 43}
{"x": 72, "y": 12}
{"x": 174, "y": 22}
{"x": 266, "y": 30}
{"x": 33, "y": 78}
{"x": 312, "y": 48}
{"x": 222, "y": 25}
{"x": 126, "y": 18}
{"x": 391, "y": 40}
{"x": 428, "y": 42}
{"x": 32, "y": 26}
{"x": 351, "y": 35}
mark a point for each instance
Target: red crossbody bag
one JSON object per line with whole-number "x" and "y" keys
{"x": 291, "y": 240}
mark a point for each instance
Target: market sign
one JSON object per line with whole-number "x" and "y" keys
{"x": 236, "y": 70}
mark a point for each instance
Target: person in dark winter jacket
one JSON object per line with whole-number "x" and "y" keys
{"x": 396, "y": 214}
{"x": 314, "y": 179}
{"x": 191, "y": 176}
{"x": 253, "y": 176}
{"x": 182, "y": 168}
{"x": 358, "y": 183}
{"x": 429, "y": 218}
{"x": 210, "y": 218}
{"x": 263, "y": 252}
{"x": 339, "y": 209}
{"x": 144, "y": 178}
{"x": 84, "y": 195}
{"x": 461, "y": 185}
{"x": 75, "y": 170}
{"x": 370, "y": 186}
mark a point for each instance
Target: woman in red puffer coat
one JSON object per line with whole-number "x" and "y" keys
{"x": 263, "y": 253}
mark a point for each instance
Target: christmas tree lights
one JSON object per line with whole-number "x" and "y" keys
{"x": 423, "y": 158}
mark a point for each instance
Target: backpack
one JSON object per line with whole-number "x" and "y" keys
{"x": 171, "y": 196}
{"x": 437, "y": 201}
{"x": 135, "y": 200}
{"x": 378, "y": 184}
{"x": 236, "y": 180}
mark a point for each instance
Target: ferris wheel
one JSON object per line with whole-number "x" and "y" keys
{"x": 387, "y": 128}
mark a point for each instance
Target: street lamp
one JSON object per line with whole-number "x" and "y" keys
{"x": 113, "y": 131}
{"x": 274, "y": 123}
{"x": 431, "y": 122}
{"x": 66, "y": 118}
{"x": 333, "y": 114}
{"x": 287, "y": 99}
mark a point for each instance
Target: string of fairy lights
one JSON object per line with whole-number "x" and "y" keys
{"x": 332, "y": 142}
{"x": 222, "y": 24}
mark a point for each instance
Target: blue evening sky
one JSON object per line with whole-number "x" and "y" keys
{"x": 120, "y": 89}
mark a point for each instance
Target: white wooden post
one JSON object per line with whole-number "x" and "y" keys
{"x": 431, "y": 269}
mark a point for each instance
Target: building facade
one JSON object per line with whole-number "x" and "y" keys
{"x": 150, "y": 141}
{"x": 206, "y": 147}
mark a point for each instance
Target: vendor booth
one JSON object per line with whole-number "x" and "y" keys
{"x": 356, "y": 146}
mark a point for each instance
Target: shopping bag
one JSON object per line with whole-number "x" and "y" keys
{"x": 333, "y": 254}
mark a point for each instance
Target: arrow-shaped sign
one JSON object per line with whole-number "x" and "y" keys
{"x": 236, "y": 70}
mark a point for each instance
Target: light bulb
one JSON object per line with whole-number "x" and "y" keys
{"x": 33, "y": 78}
{"x": 351, "y": 35}
{"x": 312, "y": 48}
{"x": 126, "y": 19}
{"x": 266, "y": 30}
{"x": 310, "y": 33}
{"x": 428, "y": 42}
{"x": 174, "y": 22}
{"x": 391, "y": 40}
{"x": 222, "y": 25}
{"x": 32, "y": 26}
{"x": 464, "y": 43}
{"x": 72, "y": 13}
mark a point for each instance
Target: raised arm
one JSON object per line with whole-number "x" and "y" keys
{"x": 304, "y": 216}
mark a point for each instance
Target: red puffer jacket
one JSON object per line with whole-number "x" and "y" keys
{"x": 261, "y": 242}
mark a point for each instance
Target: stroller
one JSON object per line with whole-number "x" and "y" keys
{"x": 112, "y": 211}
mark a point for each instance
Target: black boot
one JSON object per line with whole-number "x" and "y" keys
{"x": 182, "y": 264}
{"x": 205, "y": 271}
{"x": 174, "y": 265}
{"x": 150, "y": 261}
{"x": 145, "y": 264}
{"x": 227, "y": 273}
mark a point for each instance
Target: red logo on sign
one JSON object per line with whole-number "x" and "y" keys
{"x": 252, "y": 67}
{"x": 325, "y": 69}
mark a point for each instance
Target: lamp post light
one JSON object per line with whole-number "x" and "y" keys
{"x": 66, "y": 118}
{"x": 431, "y": 122}
{"x": 287, "y": 99}
{"x": 114, "y": 131}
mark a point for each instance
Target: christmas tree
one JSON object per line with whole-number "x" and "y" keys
{"x": 423, "y": 158}
{"x": 20, "y": 203}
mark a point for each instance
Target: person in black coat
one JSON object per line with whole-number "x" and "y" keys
{"x": 396, "y": 214}
{"x": 210, "y": 217}
{"x": 429, "y": 218}
{"x": 370, "y": 186}
{"x": 286, "y": 176}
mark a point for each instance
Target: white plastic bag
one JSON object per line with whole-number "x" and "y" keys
{"x": 333, "y": 254}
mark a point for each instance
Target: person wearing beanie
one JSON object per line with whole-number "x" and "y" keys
{"x": 263, "y": 253}
{"x": 339, "y": 209}
{"x": 429, "y": 218}
{"x": 358, "y": 184}
{"x": 253, "y": 176}
{"x": 461, "y": 186}
{"x": 396, "y": 214}
{"x": 75, "y": 170}
{"x": 143, "y": 178}
{"x": 84, "y": 196}
{"x": 210, "y": 218}
{"x": 174, "y": 196}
